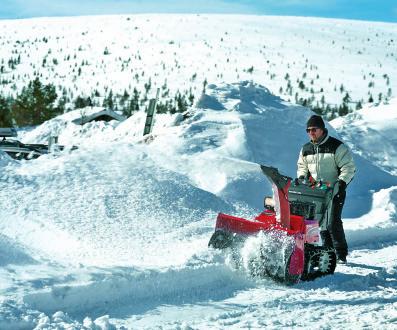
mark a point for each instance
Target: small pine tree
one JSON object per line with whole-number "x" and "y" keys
{"x": 133, "y": 104}
{"x": 62, "y": 101}
{"x": 81, "y": 102}
{"x": 191, "y": 97}
{"x": 346, "y": 99}
{"x": 163, "y": 107}
{"x": 5, "y": 112}
{"x": 181, "y": 103}
{"x": 129, "y": 109}
{"x": 343, "y": 110}
{"x": 108, "y": 102}
{"x": 148, "y": 85}
{"x": 204, "y": 85}
{"x": 124, "y": 98}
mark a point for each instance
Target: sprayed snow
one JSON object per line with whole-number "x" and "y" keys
{"x": 269, "y": 249}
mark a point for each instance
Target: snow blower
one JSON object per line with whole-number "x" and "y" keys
{"x": 289, "y": 250}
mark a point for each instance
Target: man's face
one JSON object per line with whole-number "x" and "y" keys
{"x": 315, "y": 133}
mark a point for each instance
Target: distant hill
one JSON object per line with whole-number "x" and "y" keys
{"x": 320, "y": 63}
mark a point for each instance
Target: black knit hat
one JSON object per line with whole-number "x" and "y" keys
{"x": 315, "y": 121}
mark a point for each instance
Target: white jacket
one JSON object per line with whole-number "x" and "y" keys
{"x": 329, "y": 160}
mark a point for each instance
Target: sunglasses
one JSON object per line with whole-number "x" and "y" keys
{"x": 312, "y": 130}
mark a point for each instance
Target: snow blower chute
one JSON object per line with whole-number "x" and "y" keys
{"x": 289, "y": 226}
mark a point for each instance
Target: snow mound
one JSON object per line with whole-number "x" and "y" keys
{"x": 114, "y": 192}
{"x": 228, "y": 145}
{"x": 133, "y": 289}
{"x": 245, "y": 97}
{"x": 370, "y": 132}
{"x": 12, "y": 252}
{"x": 69, "y": 133}
{"x": 95, "y": 133}
{"x": 219, "y": 145}
{"x": 6, "y": 160}
{"x": 378, "y": 226}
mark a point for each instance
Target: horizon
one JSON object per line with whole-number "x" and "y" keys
{"x": 366, "y": 10}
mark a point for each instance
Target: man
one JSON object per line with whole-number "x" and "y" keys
{"x": 329, "y": 160}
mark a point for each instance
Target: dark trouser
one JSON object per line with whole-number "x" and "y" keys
{"x": 334, "y": 235}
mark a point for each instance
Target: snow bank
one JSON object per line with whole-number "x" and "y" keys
{"x": 254, "y": 128}
{"x": 12, "y": 252}
{"x": 370, "y": 132}
{"x": 6, "y": 160}
{"x": 117, "y": 191}
{"x": 135, "y": 288}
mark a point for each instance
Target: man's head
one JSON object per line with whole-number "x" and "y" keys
{"x": 315, "y": 128}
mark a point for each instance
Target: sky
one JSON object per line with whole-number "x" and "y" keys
{"x": 381, "y": 10}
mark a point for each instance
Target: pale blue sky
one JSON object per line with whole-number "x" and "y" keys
{"x": 374, "y": 10}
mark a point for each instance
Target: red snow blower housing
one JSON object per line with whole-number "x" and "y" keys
{"x": 288, "y": 228}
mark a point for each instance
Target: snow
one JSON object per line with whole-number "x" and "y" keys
{"x": 184, "y": 51}
{"x": 113, "y": 235}
{"x": 369, "y": 127}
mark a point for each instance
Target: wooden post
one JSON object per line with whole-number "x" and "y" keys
{"x": 150, "y": 114}
{"x": 53, "y": 144}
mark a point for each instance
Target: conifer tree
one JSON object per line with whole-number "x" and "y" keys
{"x": 5, "y": 112}
{"x": 35, "y": 104}
{"x": 81, "y": 102}
{"x": 181, "y": 102}
{"x": 108, "y": 102}
{"x": 133, "y": 104}
{"x": 124, "y": 98}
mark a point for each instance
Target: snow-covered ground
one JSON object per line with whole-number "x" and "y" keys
{"x": 296, "y": 57}
{"x": 114, "y": 234}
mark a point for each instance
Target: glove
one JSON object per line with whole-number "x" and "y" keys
{"x": 298, "y": 181}
{"x": 342, "y": 186}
